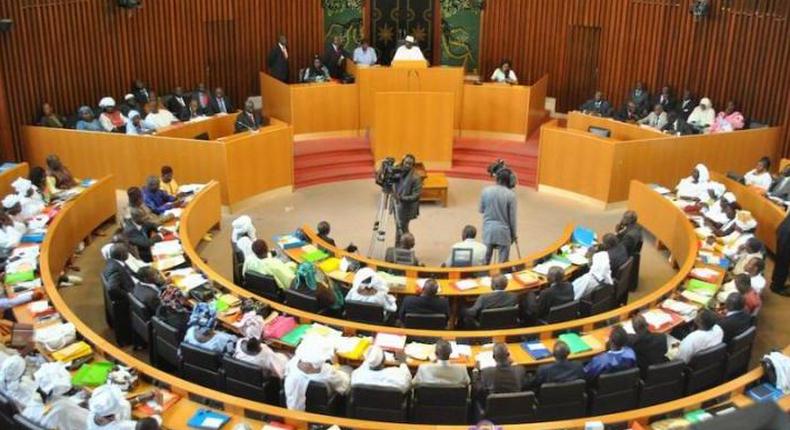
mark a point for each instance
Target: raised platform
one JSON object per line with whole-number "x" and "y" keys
{"x": 472, "y": 156}
{"x": 319, "y": 161}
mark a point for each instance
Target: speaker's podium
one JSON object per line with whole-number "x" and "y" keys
{"x": 416, "y": 122}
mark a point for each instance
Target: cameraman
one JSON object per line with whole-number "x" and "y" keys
{"x": 498, "y": 206}
{"x": 406, "y": 194}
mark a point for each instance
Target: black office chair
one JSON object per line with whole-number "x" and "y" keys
{"x": 623, "y": 280}
{"x": 499, "y": 318}
{"x": 141, "y": 322}
{"x": 301, "y": 301}
{"x": 23, "y": 423}
{"x": 661, "y": 383}
{"x": 566, "y": 312}
{"x": 263, "y": 285}
{"x": 321, "y": 399}
{"x": 166, "y": 340}
{"x": 615, "y": 392}
{"x": 706, "y": 369}
{"x": 238, "y": 264}
{"x": 405, "y": 257}
{"x": 363, "y": 312}
{"x": 559, "y": 401}
{"x": 249, "y": 381}
{"x": 739, "y": 350}
{"x": 7, "y": 411}
{"x": 461, "y": 257}
{"x": 117, "y": 313}
{"x": 386, "y": 404}
{"x": 510, "y": 408}
{"x": 600, "y": 300}
{"x": 440, "y": 405}
{"x": 201, "y": 366}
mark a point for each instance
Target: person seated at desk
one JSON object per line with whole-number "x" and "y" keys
{"x": 141, "y": 213}
{"x": 707, "y": 335}
{"x": 715, "y": 211}
{"x": 129, "y": 104}
{"x": 12, "y": 205}
{"x": 630, "y": 113}
{"x": 136, "y": 125}
{"x": 504, "y": 74}
{"x": 10, "y": 231}
{"x": 656, "y": 119}
{"x": 665, "y": 99}
{"x": 29, "y": 198}
{"x": 150, "y": 286}
{"x": 369, "y": 287}
{"x": 618, "y": 357}
{"x": 49, "y": 118}
{"x": 335, "y": 57}
{"x": 56, "y": 409}
{"x": 317, "y": 72}
{"x": 243, "y": 234}
{"x": 87, "y": 120}
{"x": 599, "y": 274}
{"x": 504, "y": 377}
{"x": 142, "y": 236}
{"x": 173, "y": 309}
{"x": 640, "y": 97}
{"x": 754, "y": 270}
{"x": 219, "y": 104}
{"x": 403, "y": 254}
{"x": 118, "y": 277}
{"x": 694, "y": 187}
{"x": 314, "y": 283}
{"x": 687, "y": 104}
{"x": 156, "y": 117}
{"x": 210, "y": 339}
{"x": 702, "y": 117}
{"x": 735, "y": 319}
{"x": 409, "y": 51}
{"x": 15, "y": 384}
{"x": 364, "y": 54}
{"x": 468, "y": 243}
{"x": 650, "y": 348}
{"x": 111, "y": 119}
{"x": 311, "y": 362}
{"x": 559, "y": 292}
{"x": 728, "y": 120}
{"x": 249, "y": 119}
{"x": 167, "y": 183}
{"x": 109, "y": 410}
{"x": 597, "y": 106}
{"x": 676, "y": 125}
{"x": 156, "y": 199}
{"x": 178, "y": 102}
{"x": 442, "y": 372}
{"x": 428, "y": 302}
{"x": 260, "y": 261}
{"x": 759, "y": 177}
{"x": 193, "y": 111}
{"x": 323, "y": 228}
{"x": 373, "y": 372}
{"x": 752, "y": 248}
{"x": 561, "y": 370}
{"x": 251, "y": 350}
{"x": 618, "y": 253}
{"x": 751, "y": 300}
{"x": 133, "y": 261}
{"x": 496, "y": 299}
{"x": 629, "y": 232}
{"x": 201, "y": 95}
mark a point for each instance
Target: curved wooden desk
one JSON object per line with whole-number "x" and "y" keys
{"x": 9, "y": 175}
{"x": 89, "y": 210}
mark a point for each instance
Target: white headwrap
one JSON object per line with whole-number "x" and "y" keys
{"x": 374, "y": 356}
{"x": 10, "y": 201}
{"x": 706, "y": 102}
{"x": 600, "y": 268}
{"x": 133, "y": 114}
{"x": 242, "y": 226}
{"x": 53, "y": 378}
{"x": 367, "y": 277}
{"x": 717, "y": 188}
{"x": 704, "y": 175}
{"x": 729, "y": 197}
{"x": 314, "y": 350}
{"x": 11, "y": 372}
{"x": 410, "y": 39}
{"x": 745, "y": 221}
{"x": 106, "y": 102}
{"x": 106, "y": 400}
{"x": 128, "y": 96}
{"x": 22, "y": 185}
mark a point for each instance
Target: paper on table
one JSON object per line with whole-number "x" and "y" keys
{"x": 679, "y": 307}
{"x": 167, "y": 263}
{"x": 167, "y": 247}
{"x": 657, "y": 317}
{"x": 460, "y": 350}
{"x": 466, "y": 284}
{"x": 212, "y": 422}
{"x": 38, "y": 306}
{"x": 486, "y": 359}
{"x": 192, "y": 281}
{"x": 176, "y": 212}
{"x": 485, "y": 281}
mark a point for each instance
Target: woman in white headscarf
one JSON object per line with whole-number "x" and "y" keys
{"x": 715, "y": 212}
{"x": 243, "y": 233}
{"x": 369, "y": 287}
{"x": 373, "y": 372}
{"x": 14, "y": 384}
{"x": 745, "y": 226}
{"x": 311, "y": 363}
{"x": 251, "y": 350}
{"x": 57, "y": 411}
{"x": 111, "y": 119}
{"x": 32, "y": 202}
{"x": 109, "y": 410}
{"x": 600, "y": 273}
{"x": 694, "y": 187}
{"x": 702, "y": 117}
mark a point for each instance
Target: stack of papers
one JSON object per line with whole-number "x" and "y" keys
{"x": 352, "y": 348}
{"x": 691, "y": 296}
{"x": 702, "y": 287}
{"x": 419, "y": 351}
{"x": 390, "y": 342}
{"x": 659, "y": 189}
{"x": 486, "y": 359}
{"x": 527, "y": 278}
{"x": 543, "y": 268}
{"x": 656, "y": 318}
{"x": 191, "y": 281}
{"x": 460, "y": 350}
{"x": 680, "y": 308}
{"x": 394, "y": 282}
{"x": 466, "y": 284}
{"x": 289, "y": 241}
{"x": 167, "y": 248}
{"x": 705, "y": 274}
{"x": 169, "y": 262}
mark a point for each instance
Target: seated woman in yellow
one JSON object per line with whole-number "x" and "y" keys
{"x": 260, "y": 261}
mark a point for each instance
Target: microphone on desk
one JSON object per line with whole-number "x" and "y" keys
{"x": 247, "y": 127}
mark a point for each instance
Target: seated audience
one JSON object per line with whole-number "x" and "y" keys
{"x": 703, "y": 116}
{"x": 428, "y": 302}
{"x": 650, "y": 348}
{"x": 735, "y": 319}
{"x": 133, "y": 262}
{"x": 150, "y": 286}
{"x": 468, "y": 242}
{"x": 193, "y": 111}
{"x": 745, "y": 227}
{"x": 17, "y": 386}
{"x": 136, "y": 125}
{"x": 759, "y": 177}
{"x": 754, "y": 268}
{"x": 173, "y": 308}
{"x": 118, "y": 277}
{"x": 167, "y": 183}
{"x": 780, "y": 188}
{"x": 597, "y": 106}
{"x": 49, "y": 118}
{"x": 210, "y": 339}
{"x": 87, "y": 120}
{"x": 403, "y": 254}
{"x": 156, "y": 199}
{"x": 504, "y": 74}
{"x": 369, "y": 287}
{"x": 618, "y": 357}
{"x": 558, "y": 292}
{"x": 561, "y": 370}
{"x": 409, "y": 51}
{"x": 728, "y": 120}
{"x": 311, "y": 363}
{"x": 111, "y": 119}
{"x": 242, "y": 235}
{"x": 505, "y": 377}
{"x": 751, "y": 300}
{"x": 442, "y": 372}
{"x": 141, "y": 213}
{"x": 373, "y": 372}
{"x": 58, "y": 176}
{"x": 687, "y": 105}
{"x": 640, "y": 97}
{"x": 753, "y": 248}
{"x": 708, "y": 334}
{"x": 141, "y": 93}
{"x": 694, "y": 187}
{"x": 629, "y": 232}
{"x": 249, "y": 118}
{"x": 665, "y": 99}
{"x": 156, "y": 117}
{"x": 364, "y": 54}
{"x": 496, "y": 299}
{"x": 178, "y": 102}
{"x": 142, "y": 236}
{"x": 219, "y": 103}
{"x": 657, "y": 119}
{"x": 130, "y": 104}
{"x": 629, "y": 113}
{"x": 715, "y": 212}
{"x": 314, "y": 283}
{"x": 262, "y": 262}
{"x": 109, "y": 409}
{"x": 600, "y": 273}
{"x": 57, "y": 410}
{"x": 251, "y": 350}
{"x": 324, "y": 229}
{"x": 677, "y": 125}
{"x": 317, "y": 72}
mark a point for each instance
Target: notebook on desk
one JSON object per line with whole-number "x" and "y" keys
{"x": 205, "y": 419}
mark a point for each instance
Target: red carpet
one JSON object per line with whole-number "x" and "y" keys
{"x": 471, "y": 157}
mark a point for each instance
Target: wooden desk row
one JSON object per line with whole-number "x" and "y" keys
{"x": 600, "y": 169}
{"x": 88, "y": 211}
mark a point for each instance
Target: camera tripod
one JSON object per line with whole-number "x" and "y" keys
{"x": 386, "y": 208}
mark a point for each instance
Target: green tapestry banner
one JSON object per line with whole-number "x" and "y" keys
{"x": 344, "y": 18}
{"x": 393, "y": 20}
{"x": 461, "y": 33}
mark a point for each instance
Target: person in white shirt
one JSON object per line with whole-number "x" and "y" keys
{"x": 707, "y": 334}
{"x": 409, "y": 51}
{"x": 157, "y": 117}
{"x": 442, "y": 372}
{"x": 373, "y": 372}
{"x": 109, "y": 410}
{"x": 136, "y": 125}
{"x": 251, "y": 350}
{"x": 311, "y": 363}
{"x": 243, "y": 234}
{"x": 657, "y": 119}
{"x": 10, "y": 231}
{"x": 364, "y": 54}
{"x": 468, "y": 242}
{"x": 505, "y": 74}
{"x": 12, "y": 205}
{"x": 15, "y": 384}
{"x": 29, "y": 198}
{"x": 702, "y": 116}
{"x": 716, "y": 212}
{"x": 760, "y": 177}
{"x": 600, "y": 273}
{"x": 369, "y": 287}
{"x": 111, "y": 119}
{"x": 56, "y": 410}
{"x": 694, "y": 187}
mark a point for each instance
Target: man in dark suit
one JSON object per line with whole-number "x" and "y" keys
{"x": 403, "y": 253}
{"x": 277, "y": 59}
{"x": 335, "y": 57}
{"x": 665, "y": 99}
{"x": 148, "y": 289}
{"x": 630, "y": 113}
{"x": 407, "y": 196}
{"x": 143, "y": 237}
{"x": 496, "y": 299}
{"x": 630, "y": 232}
{"x": 561, "y": 370}
{"x": 201, "y": 95}
{"x": 558, "y": 293}
{"x": 178, "y": 102}
{"x": 192, "y": 111}
{"x": 618, "y": 254}
{"x": 677, "y": 125}
{"x": 428, "y": 302}
{"x": 597, "y": 106}
{"x": 782, "y": 260}
{"x": 142, "y": 94}
{"x": 249, "y": 119}
{"x": 736, "y": 320}
{"x": 686, "y": 104}
{"x": 502, "y": 378}
{"x": 650, "y": 348}
{"x": 118, "y": 276}
{"x": 640, "y": 97}
{"x": 219, "y": 103}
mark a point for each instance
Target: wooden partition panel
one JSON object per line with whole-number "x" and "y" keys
{"x": 784, "y": 163}
{"x": 9, "y": 175}
{"x": 663, "y": 219}
{"x": 216, "y": 127}
{"x": 276, "y": 97}
{"x": 499, "y": 108}
{"x": 537, "y": 104}
{"x": 324, "y": 107}
{"x": 620, "y": 130}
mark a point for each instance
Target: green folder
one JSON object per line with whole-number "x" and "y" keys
{"x": 695, "y": 416}
{"x": 295, "y": 336}
{"x": 315, "y": 256}
{"x": 575, "y": 343}
{"x": 702, "y": 287}
{"x": 92, "y": 375}
{"x": 17, "y": 277}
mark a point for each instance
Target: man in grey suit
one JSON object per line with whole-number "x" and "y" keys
{"x": 498, "y": 206}
{"x": 496, "y": 299}
{"x": 407, "y": 197}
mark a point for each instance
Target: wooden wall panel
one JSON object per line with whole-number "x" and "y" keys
{"x": 73, "y": 52}
{"x": 742, "y": 52}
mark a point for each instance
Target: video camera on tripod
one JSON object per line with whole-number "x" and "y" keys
{"x": 498, "y": 166}
{"x": 388, "y": 174}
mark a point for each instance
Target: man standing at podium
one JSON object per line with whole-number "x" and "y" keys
{"x": 409, "y": 51}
